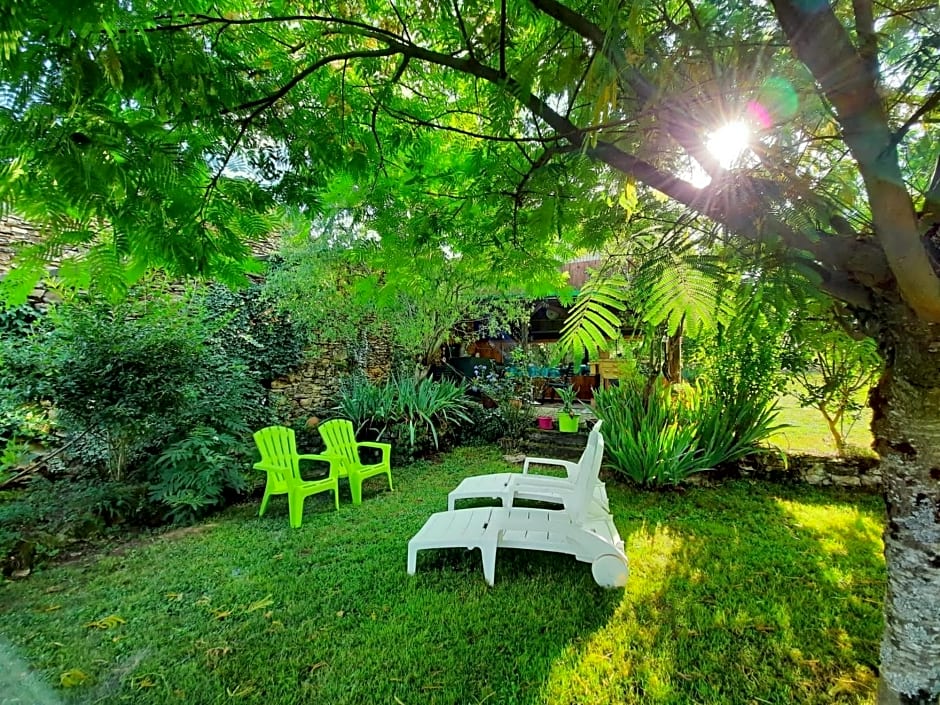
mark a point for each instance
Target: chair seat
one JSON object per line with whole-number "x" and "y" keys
{"x": 491, "y": 528}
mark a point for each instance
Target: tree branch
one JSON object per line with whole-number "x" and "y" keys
{"x": 200, "y": 20}
{"x": 932, "y": 102}
{"x": 463, "y": 29}
{"x": 675, "y": 119}
{"x": 264, "y": 103}
{"x": 867, "y": 39}
{"x": 821, "y": 42}
{"x": 502, "y": 38}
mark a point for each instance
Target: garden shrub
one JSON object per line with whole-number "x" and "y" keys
{"x": 832, "y": 372}
{"x": 38, "y": 523}
{"x": 512, "y": 393}
{"x": 411, "y": 414}
{"x": 659, "y": 434}
{"x": 483, "y": 426}
{"x": 152, "y": 391}
{"x": 250, "y": 329}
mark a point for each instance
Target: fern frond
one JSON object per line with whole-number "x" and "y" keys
{"x": 678, "y": 281}
{"x": 594, "y": 317}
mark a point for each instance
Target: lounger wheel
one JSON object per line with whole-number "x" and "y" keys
{"x": 609, "y": 571}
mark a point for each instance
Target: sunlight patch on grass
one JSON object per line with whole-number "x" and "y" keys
{"x": 806, "y": 431}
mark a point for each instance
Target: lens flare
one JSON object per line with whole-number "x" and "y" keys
{"x": 728, "y": 142}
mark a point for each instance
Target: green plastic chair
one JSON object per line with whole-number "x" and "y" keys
{"x": 280, "y": 460}
{"x": 341, "y": 444}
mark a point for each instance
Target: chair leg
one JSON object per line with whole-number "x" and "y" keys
{"x": 412, "y": 559}
{"x": 390, "y": 488}
{"x": 295, "y": 505}
{"x": 488, "y": 551}
{"x": 264, "y": 503}
{"x": 336, "y": 497}
{"x": 355, "y": 487}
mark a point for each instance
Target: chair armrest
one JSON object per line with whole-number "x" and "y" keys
{"x": 314, "y": 456}
{"x": 569, "y": 467}
{"x": 321, "y": 458}
{"x": 384, "y": 447}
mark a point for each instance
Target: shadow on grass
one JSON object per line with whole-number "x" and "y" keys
{"x": 742, "y": 593}
{"x": 738, "y": 594}
{"x": 252, "y": 611}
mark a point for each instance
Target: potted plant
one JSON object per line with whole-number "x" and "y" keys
{"x": 544, "y": 422}
{"x": 568, "y": 418}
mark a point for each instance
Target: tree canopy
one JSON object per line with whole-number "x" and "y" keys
{"x": 514, "y": 130}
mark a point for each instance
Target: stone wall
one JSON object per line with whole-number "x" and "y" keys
{"x": 862, "y": 472}
{"x": 16, "y": 233}
{"x": 311, "y": 390}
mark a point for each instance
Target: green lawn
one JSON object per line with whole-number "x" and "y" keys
{"x": 743, "y": 593}
{"x": 808, "y": 433}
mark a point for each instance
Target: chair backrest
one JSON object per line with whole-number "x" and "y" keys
{"x": 587, "y": 455}
{"x": 589, "y": 469}
{"x": 278, "y": 448}
{"x": 340, "y": 439}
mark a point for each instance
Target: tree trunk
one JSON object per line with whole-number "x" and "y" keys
{"x": 906, "y": 427}
{"x": 834, "y": 422}
{"x": 672, "y": 354}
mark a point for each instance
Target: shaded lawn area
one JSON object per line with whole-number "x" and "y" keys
{"x": 741, "y": 593}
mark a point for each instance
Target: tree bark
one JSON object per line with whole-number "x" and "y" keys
{"x": 906, "y": 427}
{"x": 672, "y": 354}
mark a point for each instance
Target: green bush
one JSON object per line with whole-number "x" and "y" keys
{"x": 409, "y": 413}
{"x": 657, "y": 434}
{"x": 38, "y": 523}
{"x": 483, "y": 426}
{"x": 152, "y": 391}
{"x": 250, "y": 329}
{"x": 196, "y": 473}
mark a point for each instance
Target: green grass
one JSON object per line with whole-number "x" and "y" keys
{"x": 742, "y": 593}
{"x": 808, "y": 433}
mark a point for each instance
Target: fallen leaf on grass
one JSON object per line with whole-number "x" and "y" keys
{"x": 260, "y": 604}
{"x": 317, "y": 666}
{"x": 73, "y": 677}
{"x": 145, "y": 682}
{"x": 240, "y": 691}
{"x": 222, "y": 614}
{"x": 109, "y": 622}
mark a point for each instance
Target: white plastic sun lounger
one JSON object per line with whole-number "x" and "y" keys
{"x": 581, "y": 529}
{"x": 510, "y": 486}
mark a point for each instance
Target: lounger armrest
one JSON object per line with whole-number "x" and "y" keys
{"x": 569, "y": 467}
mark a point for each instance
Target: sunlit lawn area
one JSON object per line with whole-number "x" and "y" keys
{"x": 807, "y": 431}
{"x": 741, "y": 593}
